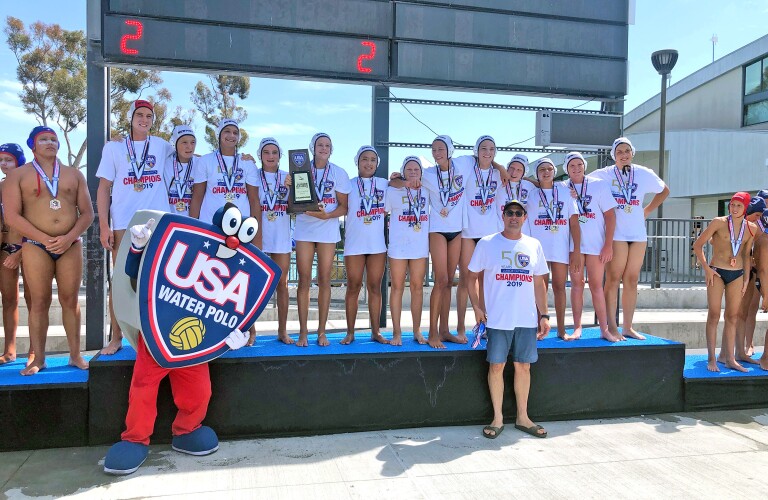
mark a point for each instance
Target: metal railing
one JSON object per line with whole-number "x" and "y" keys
{"x": 669, "y": 257}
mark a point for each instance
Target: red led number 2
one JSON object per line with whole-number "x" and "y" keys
{"x": 366, "y": 57}
{"x": 128, "y": 37}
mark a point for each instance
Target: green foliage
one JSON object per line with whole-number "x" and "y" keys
{"x": 217, "y": 101}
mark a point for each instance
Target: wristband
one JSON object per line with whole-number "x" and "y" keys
{"x": 544, "y": 316}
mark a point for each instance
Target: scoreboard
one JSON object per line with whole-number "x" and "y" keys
{"x": 553, "y": 47}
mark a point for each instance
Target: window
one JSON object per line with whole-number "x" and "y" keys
{"x": 756, "y": 92}
{"x": 753, "y": 78}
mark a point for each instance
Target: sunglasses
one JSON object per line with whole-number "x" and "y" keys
{"x": 514, "y": 213}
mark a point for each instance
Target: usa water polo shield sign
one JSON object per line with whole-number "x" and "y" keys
{"x": 197, "y": 290}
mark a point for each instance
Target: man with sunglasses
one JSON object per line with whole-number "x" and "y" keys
{"x": 513, "y": 287}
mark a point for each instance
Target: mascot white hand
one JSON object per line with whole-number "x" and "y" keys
{"x": 236, "y": 339}
{"x": 140, "y": 233}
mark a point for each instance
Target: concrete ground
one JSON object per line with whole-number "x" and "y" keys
{"x": 690, "y": 455}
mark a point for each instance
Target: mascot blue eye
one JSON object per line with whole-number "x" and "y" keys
{"x": 248, "y": 230}
{"x": 231, "y": 221}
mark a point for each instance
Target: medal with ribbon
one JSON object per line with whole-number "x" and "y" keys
{"x": 270, "y": 194}
{"x": 229, "y": 175}
{"x": 367, "y": 199}
{"x": 626, "y": 188}
{"x": 319, "y": 188}
{"x": 516, "y": 194}
{"x": 51, "y": 183}
{"x": 581, "y": 198}
{"x": 137, "y": 168}
{"x": 445, "y": 189}
{"x": 552, "y": 211}
{"x": 179, "y": 182}
{"x": 735, "y": 243}
{"x": 483, "y": 186}
{"x": 414, "y": 207}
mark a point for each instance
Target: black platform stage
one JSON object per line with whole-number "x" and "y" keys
{"x": 727, "y": 389}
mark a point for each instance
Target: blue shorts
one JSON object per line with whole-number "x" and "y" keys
{"x": 520, "y": 341}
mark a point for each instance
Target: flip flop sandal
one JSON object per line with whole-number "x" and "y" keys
{"x": 532, "y": 430}
{"x": 496, "y": 431}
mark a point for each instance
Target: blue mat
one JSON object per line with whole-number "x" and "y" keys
{"x": 696, "y": 368}
{"x": 270, "y": 347}
{"x": 57, "y": 373}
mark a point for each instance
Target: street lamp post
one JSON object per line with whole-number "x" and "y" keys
{"x": 663, "y": 61}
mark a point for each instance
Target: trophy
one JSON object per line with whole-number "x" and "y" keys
{"x": 303, "y": 195}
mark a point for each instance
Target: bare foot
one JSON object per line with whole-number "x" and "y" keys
{"x": 750, "y": 351}
{"x": 721, "y": 357}
{"x": 712, "y": 366}
{"x": 33, "y": 368}
{"x": 322, "y": 340}
{"x": 460, "y": 338}
{"x": 302, "y": 342}
{"x": 397, "y": 338}
{"x": 78, "y": 362}
{"x": 607, "y": 335}
{"x": 350, "y": 337}
{"x": 746, "y": 359}
{"x": 30, "y": 358}
{"x": 565, "y": 335}
{"x": 630, "y": 332}
{"x": 284, "y": 338}
{"x": 576, "y": 335}
{"x": 7, "y": 358}
{"x": 251, "y": 339}
{"x": 764, "y": 363}
{"x": 733, "y": 365}
{"x": 489, "y": 432}
{"x": 616, "y": 333}
{"x": 377, "y": 337}
{"x": 418, "y": 337}
{"x": 114, "y": 345}
{"x": 434, "y": 342}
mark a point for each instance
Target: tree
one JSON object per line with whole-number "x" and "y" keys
{"x": 217, "y": 101}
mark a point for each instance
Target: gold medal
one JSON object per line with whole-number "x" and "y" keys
{"x": 733, "y": 262}
{"x": 553, "y": 228}
{"x": 482, "y": 209}
{"x": 582, "y": 219}
{"x": 229, "y": 196}
{"x": 444, "y": 213}
{"x": 271, "y": 216}
{"x": 181, "y": 206}
{"x": 138, "y": 187}
{"x": 367, "y": 221}
{"x": 628, "y": 209}
{"x": 417, "y": 227}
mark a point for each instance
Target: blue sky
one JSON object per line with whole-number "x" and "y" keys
{"x": 293, "y": 110}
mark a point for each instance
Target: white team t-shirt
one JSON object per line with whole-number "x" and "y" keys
{"x": 480, "y": 216}
{"x": 115, "y": 166}
{"x": 509, "y": 265}
{"x": 407, "y": 239}
{"x": 206, "y": 169}
{"x": 513, "y": 191}
{"x": 630, "y": 226}
{"x": 275, "y": 219}
{"x": 453, "y": 221}
{"x": 178, "y": 179}
{"x": 594, "y": 199}
{"x": 364, "y": 226}
{"x": 310, "y": 228}
{"x": 556, "y": 244}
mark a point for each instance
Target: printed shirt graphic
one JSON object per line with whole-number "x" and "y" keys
{"x": 115, "y": 166}
{"x": 456, "y": 206}
{"x": 406, "y": 239}
{"x": 556, "y": 243}
{"x": 310, "y": 228}
{"x": 631, "y": 226}
{"x": 206, "y": 169}
{"x": 364, "y": 230}
{"x": 276, "y": 221}
{"x": 510, "y": 266}
{"x": 479, "y": 222}
{"x": 186, "y": 179}
{"x": 597, "y": 200}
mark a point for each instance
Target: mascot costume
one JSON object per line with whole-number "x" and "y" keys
{"x": 189, "y": 292}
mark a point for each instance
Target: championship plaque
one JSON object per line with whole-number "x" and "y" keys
{"x": 303, "y": 195}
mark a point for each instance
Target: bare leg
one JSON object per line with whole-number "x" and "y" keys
{"x": 9, "y": 289}
{"x": 631, "y": 276}
{"x": 577, "y": 299}
{"x": 496, "y": 388}
{"x": 305, "y": 254}
{"x": 397, "y": 268}
{"x": 764, "y": 357}
{"x": 522, "y": 384}
{"x": 39, "y": 284}
{"x": 355, "y": 266}
{"x": 732, "y": 300}
{"x": 714, "y": 299}
{"x": 375, "y": 265}
{"x": 438, "y": 249}
{"x": 595, "y": 272}
{"x": 559, "y": 272}
{"x": 454, "y": 253}
{"x": 284, "y": 261}
{"x": 116, "y": 342}
{"x": 69, "y": 272}
{"x": 613, "y": 272}
{"x": 325, "y": 255}
{"x": 749, "y": 336}
{"x": 462, "y": 293}
{"x": 417, "y": 269}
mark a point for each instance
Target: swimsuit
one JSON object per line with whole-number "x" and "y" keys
{"x": 9, "y": 248}
{"x": 728, "y": 275}
{"x": 450, "y": 236}
{"x": 54, "y": 256}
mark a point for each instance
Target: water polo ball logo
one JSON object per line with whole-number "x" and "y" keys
{"x": 187, "y": 333}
